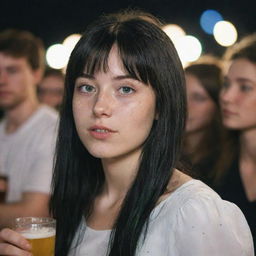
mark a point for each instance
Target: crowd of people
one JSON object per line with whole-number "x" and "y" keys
{"x": 28, "y": 129}
{"x": 131, "y": 153}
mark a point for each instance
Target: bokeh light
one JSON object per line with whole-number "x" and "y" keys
{"x": 189, "y": 49}
{"x": 173, "y": 31}
{"x": 71, "y": 41}
{"x": 208, "y": 20}
{"x": 57, "y": 56}
{"x": 225, "y": 33}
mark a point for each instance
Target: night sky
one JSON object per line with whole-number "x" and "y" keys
{"x": 54, "y": 20}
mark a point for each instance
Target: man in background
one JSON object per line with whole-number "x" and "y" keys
{"x": 27, "y": 130}
{"x": 51, "y": 88}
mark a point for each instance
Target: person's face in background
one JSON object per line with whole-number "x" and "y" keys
{"x": 113, "y": 112}
{"x": 238, "y": 96}
{"x": 50, "y": 91}
{"x": 201, "y": 108}
{"x": 17, "y": 81}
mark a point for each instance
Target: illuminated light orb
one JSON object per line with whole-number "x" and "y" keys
{"x": 208, "y": 20}
{"x": 189, "y": 49}
{"x": 225, "y": 33}
{"x": 173, "y": 31}
{"x": 71, "y": 41}
{"x": 57, "y": 56}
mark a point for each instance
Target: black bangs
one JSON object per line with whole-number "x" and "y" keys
{"x": 135, "y": 50}
{"x": 92, "y": 52}
{"x": 135, "y": 66}
{"x": 97, "y": 58}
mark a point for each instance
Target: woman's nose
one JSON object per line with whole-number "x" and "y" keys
{"x": 228, "y": 94}
{"x": 103, "y": 104}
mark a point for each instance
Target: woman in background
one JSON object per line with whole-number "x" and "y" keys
{"x": 205, "y": 137}
{"x": 238, "y": 104}
{"x": 117, "y": 191}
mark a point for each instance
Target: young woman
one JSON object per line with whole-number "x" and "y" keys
{"x": 116, "y": 189}
{"x": 238, "y": 103}
{"x": 205, "y": 137}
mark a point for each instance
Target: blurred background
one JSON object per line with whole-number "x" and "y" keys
{"x": 55, "y": 20}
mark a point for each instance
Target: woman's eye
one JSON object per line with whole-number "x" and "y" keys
{"x": 225, "y": 85}
{"x": 198, "y": 97}
{"x": 13, "y": 70}
{"x": 86, "y": 88}
{"x": 126, "y": 90}
{"x": 245, "y": 88}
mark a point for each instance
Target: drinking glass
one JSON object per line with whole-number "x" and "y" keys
{"x": 40, "y": 232}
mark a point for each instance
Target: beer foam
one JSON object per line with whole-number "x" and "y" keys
{"x": 36, "y": 234}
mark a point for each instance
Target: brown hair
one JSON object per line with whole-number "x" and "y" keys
{"x": 20, "y": 43}
{"x": 210, "y": 76}
{"x": 210, "y": 150}
{"x": 246, "y": 49}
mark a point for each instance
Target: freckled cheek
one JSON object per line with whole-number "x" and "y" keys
{"x": 80, "y": 111}
{"x": 79, "y": 105}
{"x": 140, "y": 116}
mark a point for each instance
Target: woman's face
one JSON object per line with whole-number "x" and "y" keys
{"x": 50, "y": 91}
{"x": 201, "y": 108}
{"x": 113, "y": 112}
{"x": 238, "y": 96}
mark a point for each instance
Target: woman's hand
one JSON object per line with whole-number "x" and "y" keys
{"x": 12, "y": 243}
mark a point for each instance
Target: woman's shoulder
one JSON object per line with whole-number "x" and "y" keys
{"x": 202, "y": 220}
{"x": 192, "y": 189}
{"x": 196, "y": 194}
{"x": 183, "y": 188}
{"x": 194, "y": 200}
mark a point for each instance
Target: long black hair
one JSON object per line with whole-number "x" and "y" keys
{"x": 148, "y": 55}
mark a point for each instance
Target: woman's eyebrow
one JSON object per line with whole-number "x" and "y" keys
{"x": 241, "y": 80}
{"x": 121, "y": 77}
{"x": 245, "y": 80}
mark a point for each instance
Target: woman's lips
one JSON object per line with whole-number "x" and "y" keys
{"x": 227, "y": 112}
{"x": 4, "y": 93}
{"x": 101, "y": 132}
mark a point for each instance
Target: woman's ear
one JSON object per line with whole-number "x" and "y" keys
{"x": 156, "y": 116}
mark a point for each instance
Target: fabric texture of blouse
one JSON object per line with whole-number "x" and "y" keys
{"x": 192, "y": 221}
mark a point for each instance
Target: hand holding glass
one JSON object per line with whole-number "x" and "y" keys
{"x": 40, "y": 232}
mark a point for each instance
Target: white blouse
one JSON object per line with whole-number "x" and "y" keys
{"x": 192, "y": 221}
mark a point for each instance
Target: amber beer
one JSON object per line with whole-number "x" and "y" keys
{"x": 40, "y": 232}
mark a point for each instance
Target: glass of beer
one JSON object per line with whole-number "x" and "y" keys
{"x": 40, "y": 232}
